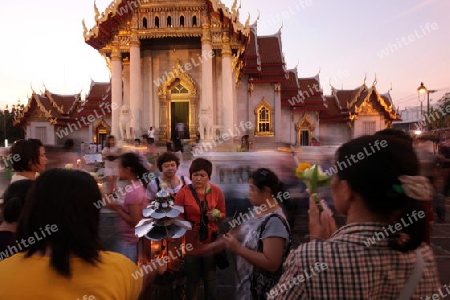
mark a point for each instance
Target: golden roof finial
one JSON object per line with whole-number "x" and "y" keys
{"x": 375, "y": 80}
{"x": 390, "y": 88}
{"x": 233, "y": 7}
{"x": 365, "y": 77}
{"x": 97, "y": 13}
{"x": 85, "y": 30}
{"x": 247, "y": 22}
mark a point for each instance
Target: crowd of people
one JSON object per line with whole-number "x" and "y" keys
{"x": 50, "y": 244}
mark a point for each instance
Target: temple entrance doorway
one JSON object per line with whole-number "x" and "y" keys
{"x": 101, "y": 131}
{"x": 179, "y": 115}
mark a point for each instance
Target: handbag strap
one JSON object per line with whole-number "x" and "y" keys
{"x": 263, "y": 227}
{"x": 194, "y": 193}
{"x": 413, "y": 280}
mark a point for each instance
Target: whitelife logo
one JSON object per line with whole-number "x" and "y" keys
{"x": 405, "y": 41}
{"x": 393, "y": 229}
{"x": 38, "y": 236}
{"x": 356, "y": 158}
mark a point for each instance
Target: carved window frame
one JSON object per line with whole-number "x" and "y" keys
{"x": 268, "y": 121}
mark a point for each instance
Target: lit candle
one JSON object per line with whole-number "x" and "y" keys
{"x": 78, "y": 163}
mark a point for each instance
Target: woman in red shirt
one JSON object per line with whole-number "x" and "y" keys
{"x": 201, "y": 201}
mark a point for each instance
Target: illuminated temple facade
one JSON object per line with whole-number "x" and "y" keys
{"x": 188, "y": 67}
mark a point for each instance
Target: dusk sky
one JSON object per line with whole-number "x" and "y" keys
{"x": 403, "y": 42}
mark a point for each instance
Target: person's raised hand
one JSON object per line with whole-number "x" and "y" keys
{"x": 321, "y": 225}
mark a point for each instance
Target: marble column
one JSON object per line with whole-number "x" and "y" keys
{"x": 206, "y": 112}
{"x": 126, "y": 82}
{"x": 148, "y": 98}
{"x": 135, "y": 87}
{"x": 228, "y": 105}
{"x": 116, "y": 91}
{"x": 277, "y": 122}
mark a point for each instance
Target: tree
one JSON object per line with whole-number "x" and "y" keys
{"x": 7, "y": 130}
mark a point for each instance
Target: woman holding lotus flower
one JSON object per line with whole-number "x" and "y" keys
{"x": 380, "y": 253}
{"x": 204, "y": 205}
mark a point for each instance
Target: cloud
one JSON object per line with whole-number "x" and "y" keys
{"x": 413, "y": 9}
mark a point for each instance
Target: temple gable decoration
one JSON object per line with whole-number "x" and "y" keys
{"x": 371, "y": 103}
{"x": 185, "y": 80}
{"x": 367, "y": 108}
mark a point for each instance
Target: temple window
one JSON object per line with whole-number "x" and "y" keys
{"x": 144, "y": 22}
{"x": 264, "y": 120}
{"x": 182, "y": 21}
{"x": 194, "y": 21}
{"x": 157, "y": 22}
{"x": 169, "y": 21}
{"x": 369, "y": 128}
{"x": 179, "y": 89}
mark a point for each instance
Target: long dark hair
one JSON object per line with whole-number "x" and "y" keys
{"x": 63, "y": 200}
{"x": 375, "y": 178}
{"x": 133, "y": 161}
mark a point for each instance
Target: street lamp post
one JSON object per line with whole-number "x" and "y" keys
{"x": 423, "y": 90}
{"x": 4, "y": 125}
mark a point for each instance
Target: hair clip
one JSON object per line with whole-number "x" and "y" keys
{"x": 398, "y": 188}
{"x": 416, "y": 187}
{"x": 264, "y": 172}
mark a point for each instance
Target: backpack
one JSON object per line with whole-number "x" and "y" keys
{"x": 263, "y": 281}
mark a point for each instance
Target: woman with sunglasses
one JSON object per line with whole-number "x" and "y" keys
{"x": 204, "y": 205}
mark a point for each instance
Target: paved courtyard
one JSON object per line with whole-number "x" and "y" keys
{"x": 440, "y": 239}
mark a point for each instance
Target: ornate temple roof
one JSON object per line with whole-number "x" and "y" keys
{"x": 334, "y": 113}
{"x": 265, "y": 60}
{"x": 312, "y": 91}
{"x": 99, "y": 97}
{"x": 53, "y": 108}
{"x": 114, "y": 21}
{"x": 252, "y": 61}
{"x": 345, "y": 105}
{"x": 302, "y": 93}
{"x": 290, "y": 88}
{"x": 60, "y": 110}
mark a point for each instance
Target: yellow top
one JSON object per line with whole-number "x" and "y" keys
{"x": 32, "y": 278}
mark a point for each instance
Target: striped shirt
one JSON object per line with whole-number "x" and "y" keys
{"x": 353, "y": 264}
